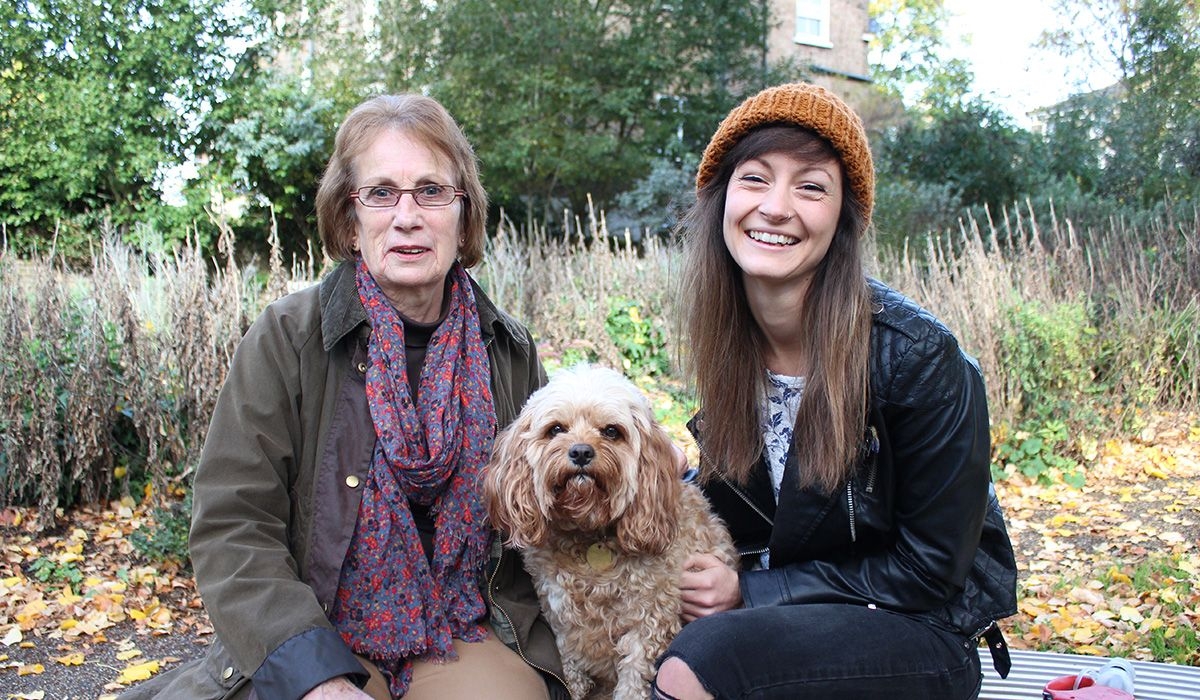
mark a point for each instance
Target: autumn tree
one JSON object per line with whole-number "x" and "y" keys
{"x": 264, "y": 144}
{"x": 1146, "y": 127}
{"x": 909, "y": 51}
{"x": 95, "y": 99}
{"x": 567, "y": 99}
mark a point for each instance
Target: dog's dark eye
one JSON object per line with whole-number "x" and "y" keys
{"x": 555, "y": 429}
{"x": 611, "y": 432}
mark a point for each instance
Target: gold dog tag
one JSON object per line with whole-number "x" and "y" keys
{"x": 599, "y": 556}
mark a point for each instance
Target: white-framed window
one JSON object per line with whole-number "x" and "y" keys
{"x": 812, "y": 23}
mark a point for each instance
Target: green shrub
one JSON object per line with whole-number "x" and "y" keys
{"x": 907, "y": 212}
{"x": 641, "y": 339}
{"x": 166, "y": 541}
{"x": 1049, "y": 382}
{"x": 1039, "y": 451}
{"x": 1047, "y": 353}
{"x": 48, "y": 570}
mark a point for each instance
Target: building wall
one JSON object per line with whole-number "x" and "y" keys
{"x": 841, "y": 63}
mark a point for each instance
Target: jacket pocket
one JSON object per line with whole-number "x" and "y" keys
{"x": 867, "y": 498}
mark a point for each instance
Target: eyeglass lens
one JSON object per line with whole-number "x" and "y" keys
{"x": 425, "y": 195}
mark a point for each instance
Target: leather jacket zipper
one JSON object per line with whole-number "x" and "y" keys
{"x": 516, "y": 639}
{"x": 872, "y": 449}
{"x": 850, "y": 509}
{"x": 746, "y": 499}
{"x": 869, "y": 450}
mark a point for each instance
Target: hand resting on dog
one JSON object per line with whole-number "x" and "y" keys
{"x": 707, "y": 585}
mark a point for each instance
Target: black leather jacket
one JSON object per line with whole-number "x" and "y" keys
{"x": 917, "y": 528}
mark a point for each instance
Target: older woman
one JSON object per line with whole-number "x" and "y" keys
{"x": 338, "y": 537}
{"x": 844, "y": 436}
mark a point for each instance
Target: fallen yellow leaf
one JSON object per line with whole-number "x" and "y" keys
{"x": 75, "y": 659}
{"x": 30, "y": 669}
{"x": 67, "y": 597}
{"x": 1117, "y": 577}
{"x": 127, "y": 655}
{"x": 137, "y": 672}
{"x": 1153, "y": 471}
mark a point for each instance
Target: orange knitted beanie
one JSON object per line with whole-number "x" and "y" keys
{"x": 811, "y": 107}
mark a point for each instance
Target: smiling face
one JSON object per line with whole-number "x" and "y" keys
{"x": 781, "y": 213}
{"x": 408, "y": 249}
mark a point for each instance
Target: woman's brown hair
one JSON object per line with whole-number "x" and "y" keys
{"x": 726, "y": 347}
{"x": 427, "y": 122}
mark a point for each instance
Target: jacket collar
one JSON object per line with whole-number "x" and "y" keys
{"x": 342, "y": 311}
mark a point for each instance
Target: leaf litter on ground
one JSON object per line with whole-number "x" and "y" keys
{"x": 1109, "y": 569}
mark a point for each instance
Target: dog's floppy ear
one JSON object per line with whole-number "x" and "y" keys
{"x": 508, "y": 489}
{"x": 649, "y": 525}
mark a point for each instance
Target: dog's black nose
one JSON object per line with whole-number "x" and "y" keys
{"x": 581, "y": 454}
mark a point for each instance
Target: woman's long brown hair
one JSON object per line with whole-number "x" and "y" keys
{"x": 725, "y": 347}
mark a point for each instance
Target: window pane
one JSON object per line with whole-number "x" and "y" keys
{"x": 812, "y": 20}
{"x": 808, "y": 27}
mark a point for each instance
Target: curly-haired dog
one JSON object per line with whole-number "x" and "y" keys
{"x": 585, "y": 482}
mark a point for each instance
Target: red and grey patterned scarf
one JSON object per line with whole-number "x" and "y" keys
{"x": 392, "y": 605}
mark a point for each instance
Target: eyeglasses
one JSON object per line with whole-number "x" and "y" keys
{"x": 379, "y": 196}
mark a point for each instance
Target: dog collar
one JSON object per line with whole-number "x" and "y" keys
{"x": 599, "y": 556}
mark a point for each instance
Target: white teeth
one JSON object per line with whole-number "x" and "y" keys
{"x": 772, "y": 238}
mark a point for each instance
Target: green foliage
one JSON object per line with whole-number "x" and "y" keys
{"x": 96, "y": 100}
{"x": 968, "y": 146}
{"x": 1038, "y": 450}
{"x": 908, "y": 37}
{"x": 906, "y": 209}
{"x": 674, "y": 406}
{"x": 268, "y": 144}
{"x": 642, "y": 341}
{"x": 46, "y": 569}
{"x": 1047, "y": 353}
{"x": 656, "y": 202}
{"x": 567, "y": 99}
{"x": 1155, "y": 133}
{"x": 167, "y": 540}
{"x": 1145, "y": 130}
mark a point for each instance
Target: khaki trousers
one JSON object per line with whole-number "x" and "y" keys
{"x": 486, "y": 669}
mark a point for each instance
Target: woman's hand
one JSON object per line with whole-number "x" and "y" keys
{"x": 681, "y": 465}
{"x": 708, "y": 585}
{"x": 339, "y": 688}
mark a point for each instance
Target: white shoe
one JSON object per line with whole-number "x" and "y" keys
{"x": 1117, "y": 673}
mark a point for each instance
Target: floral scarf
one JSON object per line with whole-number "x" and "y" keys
{"x": 393, "y": 605}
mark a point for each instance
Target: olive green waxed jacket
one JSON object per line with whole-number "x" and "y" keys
{"x": 277, "y": 491}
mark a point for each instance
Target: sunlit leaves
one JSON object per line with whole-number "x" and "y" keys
{"x": 101, "y": 614}
{"x": 1109, "y": 568}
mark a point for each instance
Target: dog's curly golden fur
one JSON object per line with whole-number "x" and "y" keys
{"x": 585, "y": 482}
